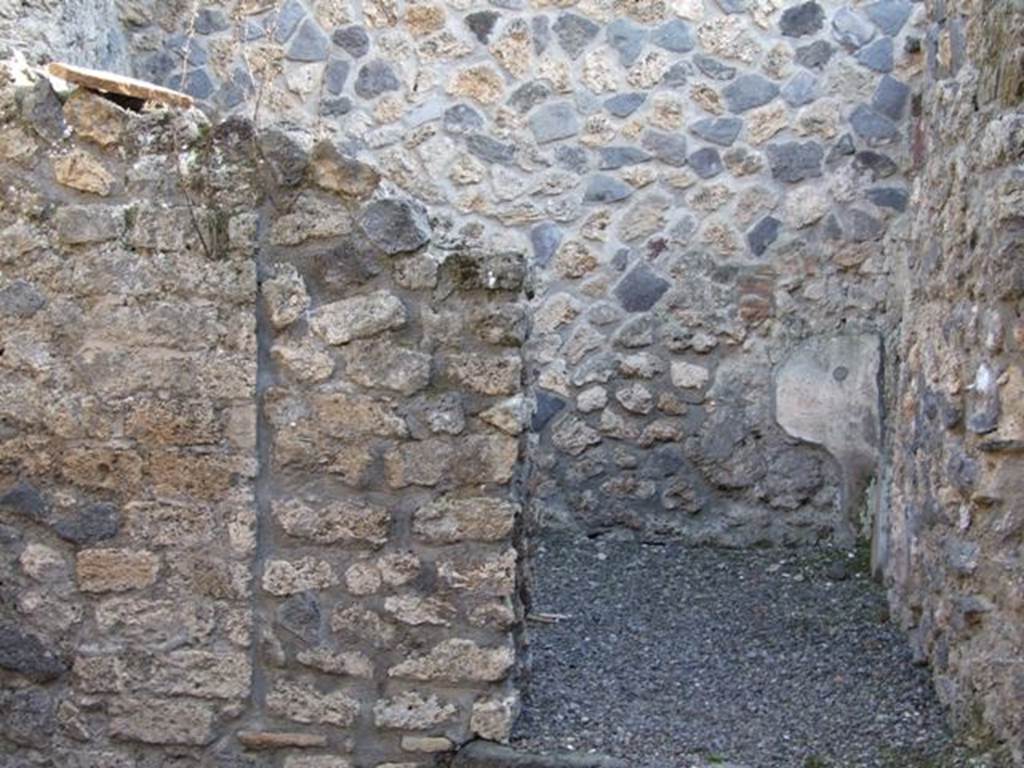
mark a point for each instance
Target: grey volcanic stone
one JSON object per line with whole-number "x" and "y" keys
{"x": 880, "y": 166}
{"x": 285, "y": 155}
{"x": 706, "y": 162}
{"x": 749, "y": 91}
{"x": 310, "y": 44}
{"x": 720, "y": 130}
{"x": 481, "y": 24}
{"x": 555, "y": 121}
{"x": 528, "y": 95}
{"x": 891, "y": 97}
{"x": 91, "y": 524}
{"x": 20, "y": 299}
{"x": 335, "y": 75}
{"x": 288, "y": 20}
{"x": 861, "y": 226}
{"x": 26, "y": 654}
{"x": 491, "y": 150}
{"x": 732, "y": 6}
{"x": 801, "y": 89}
{"x": 545, "y": 239}
{"x": 842, "y": 148}
{"x": 816, "y": 55}
{"x": 25, "y": 500}
{"x": 872, "y": 126}
{"x": 353, "y": 40}
{"x": 210, "y": 20}
{"x": 606, "y": 189}
{"x": 627, "y": 38}
{"x": 713, "y": 68}
{"x": 669, "y": 148}
{"x": 462, "y": 119}
{"x": 572, "y": 158}
{"x": 877, "y": 55}
{"x": 301, "y": 616}
{"x": 794, "y": 161}
{"x": 674, "y": 36}
{"x": 374, "y": 78}
{"x": 888, "y": 197}
{"x": 548, "y": 406}
{"x": 333, "y": 107}
{"x": 800, "y": 20}
{"x": 574, "y": 33}
{"x": 889, "y": 15}
{"x": 197, "y": 84}
{"x": 28, "y": 718}
{"x": 541, "y": 34}
{"x": 677, "y": 75}
{"x": 763, "y": 234}
{"x": 617, "y": 157}
{"x": 851, "y": 29}
{"x": 640, "y": 289}
{"x": 624, "y": 104}
{"x": 395, "y": 225}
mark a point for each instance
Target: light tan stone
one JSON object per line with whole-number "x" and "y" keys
{"x": 305, "y": 704}
{"x": 448, "y": 520}
{"x": 417, "y": 610}
{"x": 492, "y": 719}
{"x": 336, "y": 522}
{"x": 80, "y": 170}
{"x": 284, "y": 577}
{"x": 95, "y": 118}
{"x": 457, "y": 660}
{"x": 412, "y": 711}
{"x": 162, "y": 721}
{"x": 115, "y": 570}
{"x": 481, "y": 83}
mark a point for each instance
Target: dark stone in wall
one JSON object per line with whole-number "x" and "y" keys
{"x": 640, "y": 289}
{"x": 26, "y": 654}
{"x": 800, "y": 20}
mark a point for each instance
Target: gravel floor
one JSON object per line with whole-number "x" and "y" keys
{"x": 673, "y": 657}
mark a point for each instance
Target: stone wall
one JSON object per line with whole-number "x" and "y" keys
{"x": 260, "y": 424}
{"x": 702, "y": 184}
{"x": 954, "y": 557}
{"x": 84, "y": 32}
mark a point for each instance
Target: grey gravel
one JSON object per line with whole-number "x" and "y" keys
{"x": 669, "y": 656}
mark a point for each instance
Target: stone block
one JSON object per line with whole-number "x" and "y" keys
{"x": 449, "y": 520}
{"x": 162, "y": 721}
{"x": 115, "y": 570}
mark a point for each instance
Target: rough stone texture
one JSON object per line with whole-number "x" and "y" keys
{"x": 945, "y": 541}
{"x": 245, "y": 420}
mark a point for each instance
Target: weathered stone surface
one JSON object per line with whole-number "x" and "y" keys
{"x": 80, "y": 170}
{"x": 115, "y": 570}
{"x": 450, "y": 520}
{"x": 720, "y": 130}
{"x": 395, "y": 226}
{"x": 749, "y": 91}
{"x": 89, "y": 524}
{"x": 347, "y": 176}
{"x": 487, "y": 375}
{"x": 26, "y": 654}
{"x": 640, "y": 289}
{"x": 162, "y": 721}
{"x": 795, "y": 161}
{"x": 554, "y": 121}
{"x": 574, "y": 32}
{"x": 305, "y": 704}
{"x": 337, "y": 522}
{"x": 803, "y": 19}
{"x": 374, "y": 79}
{"x": 283, "y": 577}
{"x": 411, "y": 711}
{"x": 827, "y": 393}
{"x": 358, "y": 317}
{"x": 457, "y": 660}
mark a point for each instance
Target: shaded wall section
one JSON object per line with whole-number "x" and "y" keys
{"x": 260, "y": 425}
{"x": 954, "y": 559}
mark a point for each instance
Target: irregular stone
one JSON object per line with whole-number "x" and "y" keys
{"x": 545, "y": 239}
{"x": 890, "y": 98}
{"x": 749, "y": 91}
{"x": 273, "y": 740}
{"x": 26, "y": 654}
{"x": 889, "y": 15}
{"x": 547, "y": 406}
{"x": 90, "y": 524}
{"x": 353, "y": 40}
{"x": 669, "y": 148}
{"x": 635, "y": 398}
{"x": 457, "y": 660}
{"x": 83, "y": 224}
{"x": 346, "y": 176}
{"x": 720, "y": 130}
{"x": 28, "y": 717}
{"x": 573, "y": 436}
{"x": 613, "y": 158}
{"x": 491, "y": 150}
{"x": 893, "y": 198}
{"x": 877, "y": 55}
{"x": 800, "y": 90}
{"x": 359, "y": 317}
{"x": 627, "y": 38}
{"x": 309, "y": 44}
{"x": 706, "y": 162}
{"x": 624, "y": 104}
{"x": 284, "y": 577}
{"x": 801, "y": 20}
{"x": 713, "y": 68}
{"x": 574, "y": 33}
{"x": 814, "y": 56}
{"x": 305, "y": 704}
{"x": 492, "y": 719}
{"x": 640, "y": 289}
{"x": 375, "y": 78}
{"x": 675, "y": 36}
{"x": 300, "y": 615}
{"x": 480, "y": 83}
{"x": 795, "y": 161}
{"x": 481, "y": 24}
{"x": 162, "y": 721}
{"x": 850, "y": 29}
{"x": 81, "y": 171}
{"x": 872, "y": 126}
{"x": 448, "y": 520}
{"x": 487, "y": 375}
{"x": 95, "y": 118}
{"x": 555, "y": 121}
{"x": 529, "y": 95}
{"x": 764, "y": 233}
{"x": 338, "y": 522}
{"x": 372, "y": 365}
{"x": 606, "y": 189}
{"x": 412, "y": 711}
{"x": 462, "y": 118}
{"x": 115, "y": 570}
